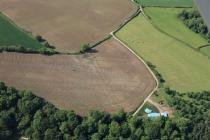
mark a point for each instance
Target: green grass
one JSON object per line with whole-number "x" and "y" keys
{"x": 166, "y": 3}
{"x": 206, "y": 50}
{"x": 167, "y": 20}
{"x": 183, "y": 68}
{"x": 11, "y": 35}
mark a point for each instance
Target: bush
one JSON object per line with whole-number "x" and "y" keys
{"x": 40, "y": 39}
{"x": 85, "y": 48}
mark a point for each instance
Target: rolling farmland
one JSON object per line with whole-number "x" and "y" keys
{"x": 11, "y": 35}
{"x": 120, "y": 70}
{"x": 109, "y": 79}
{"x": 68, "y": 24}
{"x": 183, "y": 68}
{"x": 179, "y": 30}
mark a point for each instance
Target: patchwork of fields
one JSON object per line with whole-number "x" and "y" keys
{"x": 182, "y": 67}
{"x": 174, "y": 26}
{"x": 68, "y": 24}
{"x": 110, "y": 77}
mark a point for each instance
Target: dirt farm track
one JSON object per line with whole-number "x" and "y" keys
{"x": 68, "y": 24}
{"x": 108, "y": 79}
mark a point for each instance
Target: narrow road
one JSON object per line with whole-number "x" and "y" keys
{"x": 121, "y": 42}
{"x": 157, "y": 82}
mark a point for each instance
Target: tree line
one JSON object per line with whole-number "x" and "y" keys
{"x": 24, "y": 114}
{"x": 193, "y": 20}
{"x": 47, "y": 49}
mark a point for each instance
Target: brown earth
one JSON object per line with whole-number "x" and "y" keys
{"x": 68, "y": 24}
{"x": 108, "y": 79}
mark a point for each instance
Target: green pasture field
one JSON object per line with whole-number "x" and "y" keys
{"x": 206, "y": 50}
{"x": 167, "y": 20}
{"x": 183, "y": 68}
{"x": 166, "y": 3}
{"x": 11, "y": 35}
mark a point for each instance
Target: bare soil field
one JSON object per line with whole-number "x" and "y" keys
{"x": 108, "y": 79}
{"x": 68, "y": 24}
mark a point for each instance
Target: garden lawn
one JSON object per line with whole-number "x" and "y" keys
{"x": 167, "y": 20}
{"x": 11, "y": 35}
{"x": 166, "y": 3}
{"x": 183, "y": 68}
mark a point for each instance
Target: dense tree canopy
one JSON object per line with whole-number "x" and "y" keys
{"x": 23, "y": 114}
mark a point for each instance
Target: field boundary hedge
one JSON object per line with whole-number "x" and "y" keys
{"x": 43, "y": 49}
{"x": 135, "y": 14}
{"x": 20, "y": 49}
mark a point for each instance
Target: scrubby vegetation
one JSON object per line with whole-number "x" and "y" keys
{"x": 21, "y": 49}
{"x": 85, "y": 48}
{"x": 23, "y": 114}
{"x": 157, "y": 74}
{"x": 193, "y": 20}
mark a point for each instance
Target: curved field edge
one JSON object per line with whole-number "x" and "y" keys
{"x": 183, "y": 68}
{"x": 109, "y": 79}
{"x": 98, "y": 43}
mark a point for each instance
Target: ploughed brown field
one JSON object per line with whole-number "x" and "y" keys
{"x": 68, "y": 24}
{"x": 108, "y": 79}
